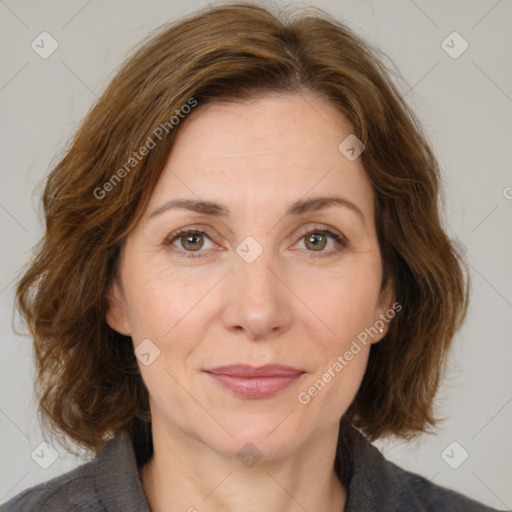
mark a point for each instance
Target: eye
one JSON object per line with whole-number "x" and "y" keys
{"x": 316, "y": 240}
{"x": 189, "y": 240}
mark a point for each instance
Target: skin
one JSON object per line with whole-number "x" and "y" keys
{"x": 297, "y": 304}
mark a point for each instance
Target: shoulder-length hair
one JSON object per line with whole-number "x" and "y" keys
{"x": 87, "y": 380}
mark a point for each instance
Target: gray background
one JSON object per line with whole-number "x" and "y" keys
{"x": 465, "y": 104}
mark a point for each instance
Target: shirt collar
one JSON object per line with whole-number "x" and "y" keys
{"x": 373, "y": 484}
{"x": 376, "y": 484}
{"x": 117, "y": 478}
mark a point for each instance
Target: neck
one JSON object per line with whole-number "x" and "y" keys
{"x": 186, "y": 475}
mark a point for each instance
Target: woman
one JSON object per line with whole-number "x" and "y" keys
{"x": 243, "y": 279}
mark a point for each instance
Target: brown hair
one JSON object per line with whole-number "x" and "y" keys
{"x": 88, "y": 383}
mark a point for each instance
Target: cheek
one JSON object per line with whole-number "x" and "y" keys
{"x": 161, "y": 304}
{"x": 329, "y": 393}
{"x": 347, "y": 307}
{"x": 345, "y": 302}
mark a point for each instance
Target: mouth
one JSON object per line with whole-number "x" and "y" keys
{"x": 255, "y": 382}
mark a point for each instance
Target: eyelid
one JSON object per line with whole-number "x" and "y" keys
{"x": 303, "y": 232}
{"x": 340, "y": 240}
{"x": 318, "y": 227}
{"x": 187, "y": 229}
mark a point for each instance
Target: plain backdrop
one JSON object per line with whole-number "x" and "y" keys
{"x": 464, "y": 101}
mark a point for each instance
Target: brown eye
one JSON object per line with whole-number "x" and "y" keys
{"x": 188, "y": 241}
{"x": 192, "y": 241}
{"x": 316, "y": 241}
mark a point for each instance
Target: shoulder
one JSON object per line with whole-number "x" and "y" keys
{"x": 68, "y": 492}
{"x": 422, "y": 494}
{"x": 379, "y": 485}
{"x": 110, "y": 481}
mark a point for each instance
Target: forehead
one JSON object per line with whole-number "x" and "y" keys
{"x": 263, "y": 152}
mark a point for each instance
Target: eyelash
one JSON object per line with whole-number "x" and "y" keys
{"x": 340, "y": 240}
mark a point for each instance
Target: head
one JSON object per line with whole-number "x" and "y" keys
{"x": 248, "y": 118}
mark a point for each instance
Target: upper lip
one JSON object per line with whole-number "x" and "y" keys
{"x": 245, "y": 370}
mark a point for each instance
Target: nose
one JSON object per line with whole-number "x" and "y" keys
{"x": 258, "y": 302}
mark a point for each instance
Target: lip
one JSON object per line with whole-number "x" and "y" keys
{"x": 246, "y": 370}
{"x": 255, "y": 382}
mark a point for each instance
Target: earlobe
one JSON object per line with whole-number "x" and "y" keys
{"x": 116, "y": 314}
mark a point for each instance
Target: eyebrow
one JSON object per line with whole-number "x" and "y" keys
{"x": 299, "y": 207}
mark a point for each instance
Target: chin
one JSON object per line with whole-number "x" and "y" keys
{"x": 264, "y": 436}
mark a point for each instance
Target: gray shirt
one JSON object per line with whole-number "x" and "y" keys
{"x": 111, "y": 483}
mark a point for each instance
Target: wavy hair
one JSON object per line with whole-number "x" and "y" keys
{"x": 88, "y": 384}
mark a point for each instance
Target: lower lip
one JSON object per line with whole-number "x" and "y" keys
{"x": 255, "y": 387}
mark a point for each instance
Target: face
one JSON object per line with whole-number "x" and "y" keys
{"x": 253, "y": 281}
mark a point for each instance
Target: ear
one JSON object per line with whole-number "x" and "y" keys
{"x": 384, "y": 311}
{"x": 116, "y": 312}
